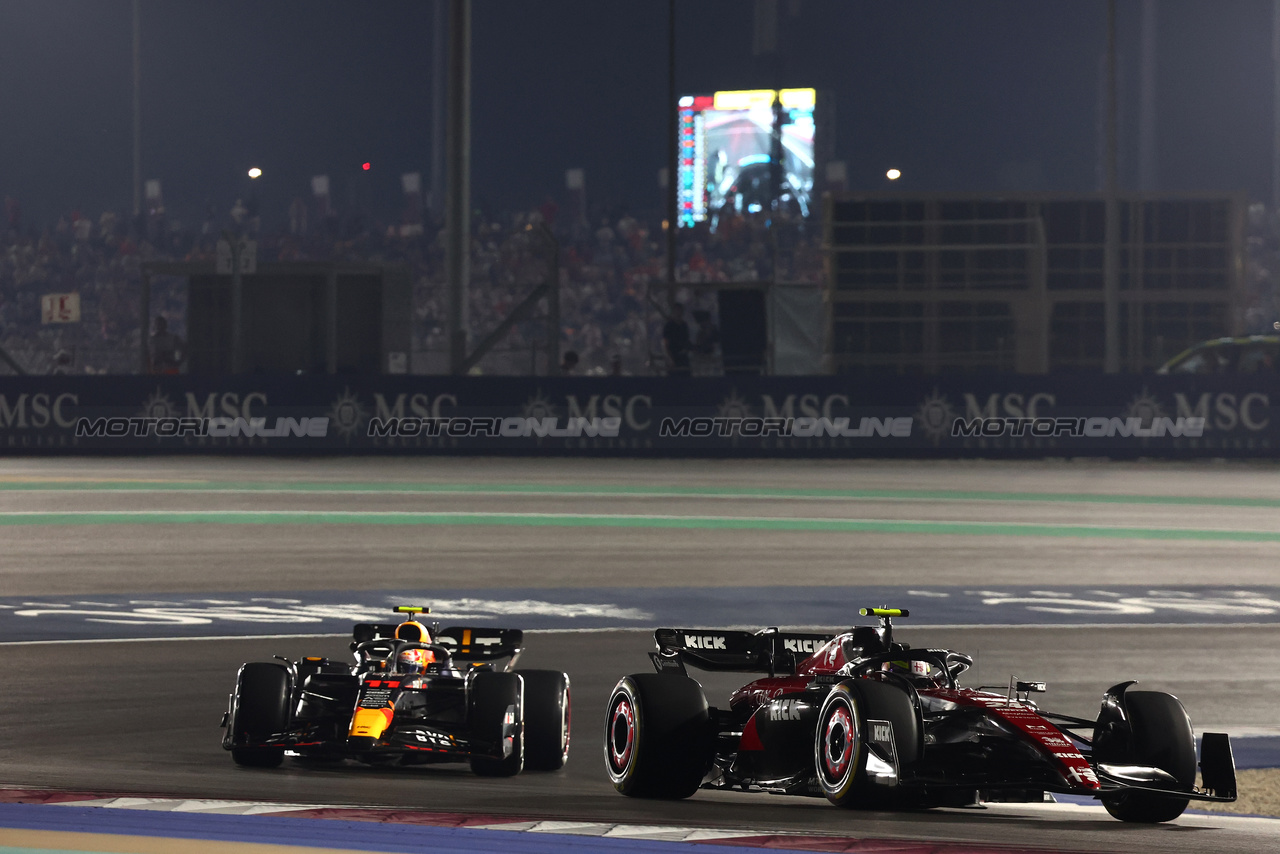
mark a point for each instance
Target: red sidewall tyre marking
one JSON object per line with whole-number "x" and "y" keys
{"x": 838, "y": 752}
{"x": 837, "y": 745}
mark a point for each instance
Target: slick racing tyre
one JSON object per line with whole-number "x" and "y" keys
{"x": 546, "y": 719}
{"x": 261, "y": 710}
{"x": 837, "y": 746}
{"x": 1159, "y": 734}
{"x": 840, "y": 741}
{"x": 496, "y": 714}
{"x": 657, "y": 738}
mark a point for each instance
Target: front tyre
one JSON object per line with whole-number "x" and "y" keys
{"x": 1159, "y": 734}
{"x": 837, "y": 746}
{"x": 497, "y": 716}
{"x": 546, "y": 719}
{"x": 261, "y": 710}
{"x": 657, "y": 739}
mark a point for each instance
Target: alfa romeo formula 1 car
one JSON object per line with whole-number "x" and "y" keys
{"x": 866, "y": 721}
{"x": 416, "y": 694}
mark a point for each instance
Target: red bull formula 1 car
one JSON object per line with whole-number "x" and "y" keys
{"x": 416, "y": 694}
{"x": 869, "y": 722}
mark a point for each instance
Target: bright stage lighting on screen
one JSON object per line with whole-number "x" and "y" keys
{"x": 725, "y": 144}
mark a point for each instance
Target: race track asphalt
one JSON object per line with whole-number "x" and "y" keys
{"x": 141, "y": 717}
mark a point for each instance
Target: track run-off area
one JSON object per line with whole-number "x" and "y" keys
{"x": 132, "y": 589}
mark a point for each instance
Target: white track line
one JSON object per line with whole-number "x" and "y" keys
{"x": 540, "y": 493}
{"x": 646, "y": 629}
{"x": 448, "y": 493}
{"x": 168, "y": 640}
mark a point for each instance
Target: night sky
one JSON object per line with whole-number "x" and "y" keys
{"x": 974, "y": 96}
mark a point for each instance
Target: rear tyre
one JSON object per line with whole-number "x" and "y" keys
{"x": 546, "y": 719}
{"x": 657, "y": 737}
{"x": 1159, "y": 734}
{"x": 497, "y": 716}
{"x": 261, "y": 710}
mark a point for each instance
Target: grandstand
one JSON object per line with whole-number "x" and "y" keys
{"x": 915, "y": 284}
{"x": 605, "y": 268}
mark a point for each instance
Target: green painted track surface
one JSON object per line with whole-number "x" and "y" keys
{"x": 578, "y": 520}
{"x": 16, "y": 515}
{"x": 583, "y": 490}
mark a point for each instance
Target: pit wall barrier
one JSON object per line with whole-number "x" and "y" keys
{"x": 963, "y": 415}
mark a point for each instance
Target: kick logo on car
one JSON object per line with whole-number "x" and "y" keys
{"x": 704, "y": 641}
{"x": 785, "y": 710}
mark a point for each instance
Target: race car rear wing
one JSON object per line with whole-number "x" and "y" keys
{"x": 767, "y": 651}
{"x": 471, "y": 644}
{"x": 479, "y": 644}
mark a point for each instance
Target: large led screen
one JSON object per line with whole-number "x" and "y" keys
{"x": 725, "y": 145}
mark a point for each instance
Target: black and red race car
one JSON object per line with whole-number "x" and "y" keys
{"x": 415, "y": 694}
{"x": 867, "y": 721}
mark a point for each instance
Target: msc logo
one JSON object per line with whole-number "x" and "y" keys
{"x": 44, "y": 409}
{"x": 704, "y": 641}
{"x": 801, "y": 645}
{"x": 784, "y": 710}
{"x": 881, "y": 732}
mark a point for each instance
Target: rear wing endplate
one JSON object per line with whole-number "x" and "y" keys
{"x": 768, "y": 651}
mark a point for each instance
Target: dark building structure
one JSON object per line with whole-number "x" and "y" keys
{"x": 930, "y": 284}
{"x": 297, "y": 317}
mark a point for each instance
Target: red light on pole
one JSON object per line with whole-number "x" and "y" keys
{"x": 365, "y": 167}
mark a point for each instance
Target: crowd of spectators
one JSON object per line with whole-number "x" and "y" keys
{"x": 612, "y": 271}
{"x": 612, "y": 282}
{"x": 93, "y": 257}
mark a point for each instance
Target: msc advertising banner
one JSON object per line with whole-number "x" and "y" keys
{"x": 954, "y": 416}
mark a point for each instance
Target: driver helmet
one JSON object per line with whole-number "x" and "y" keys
{"x": 912, "y": 669}
{"x": 414, "y": 661}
